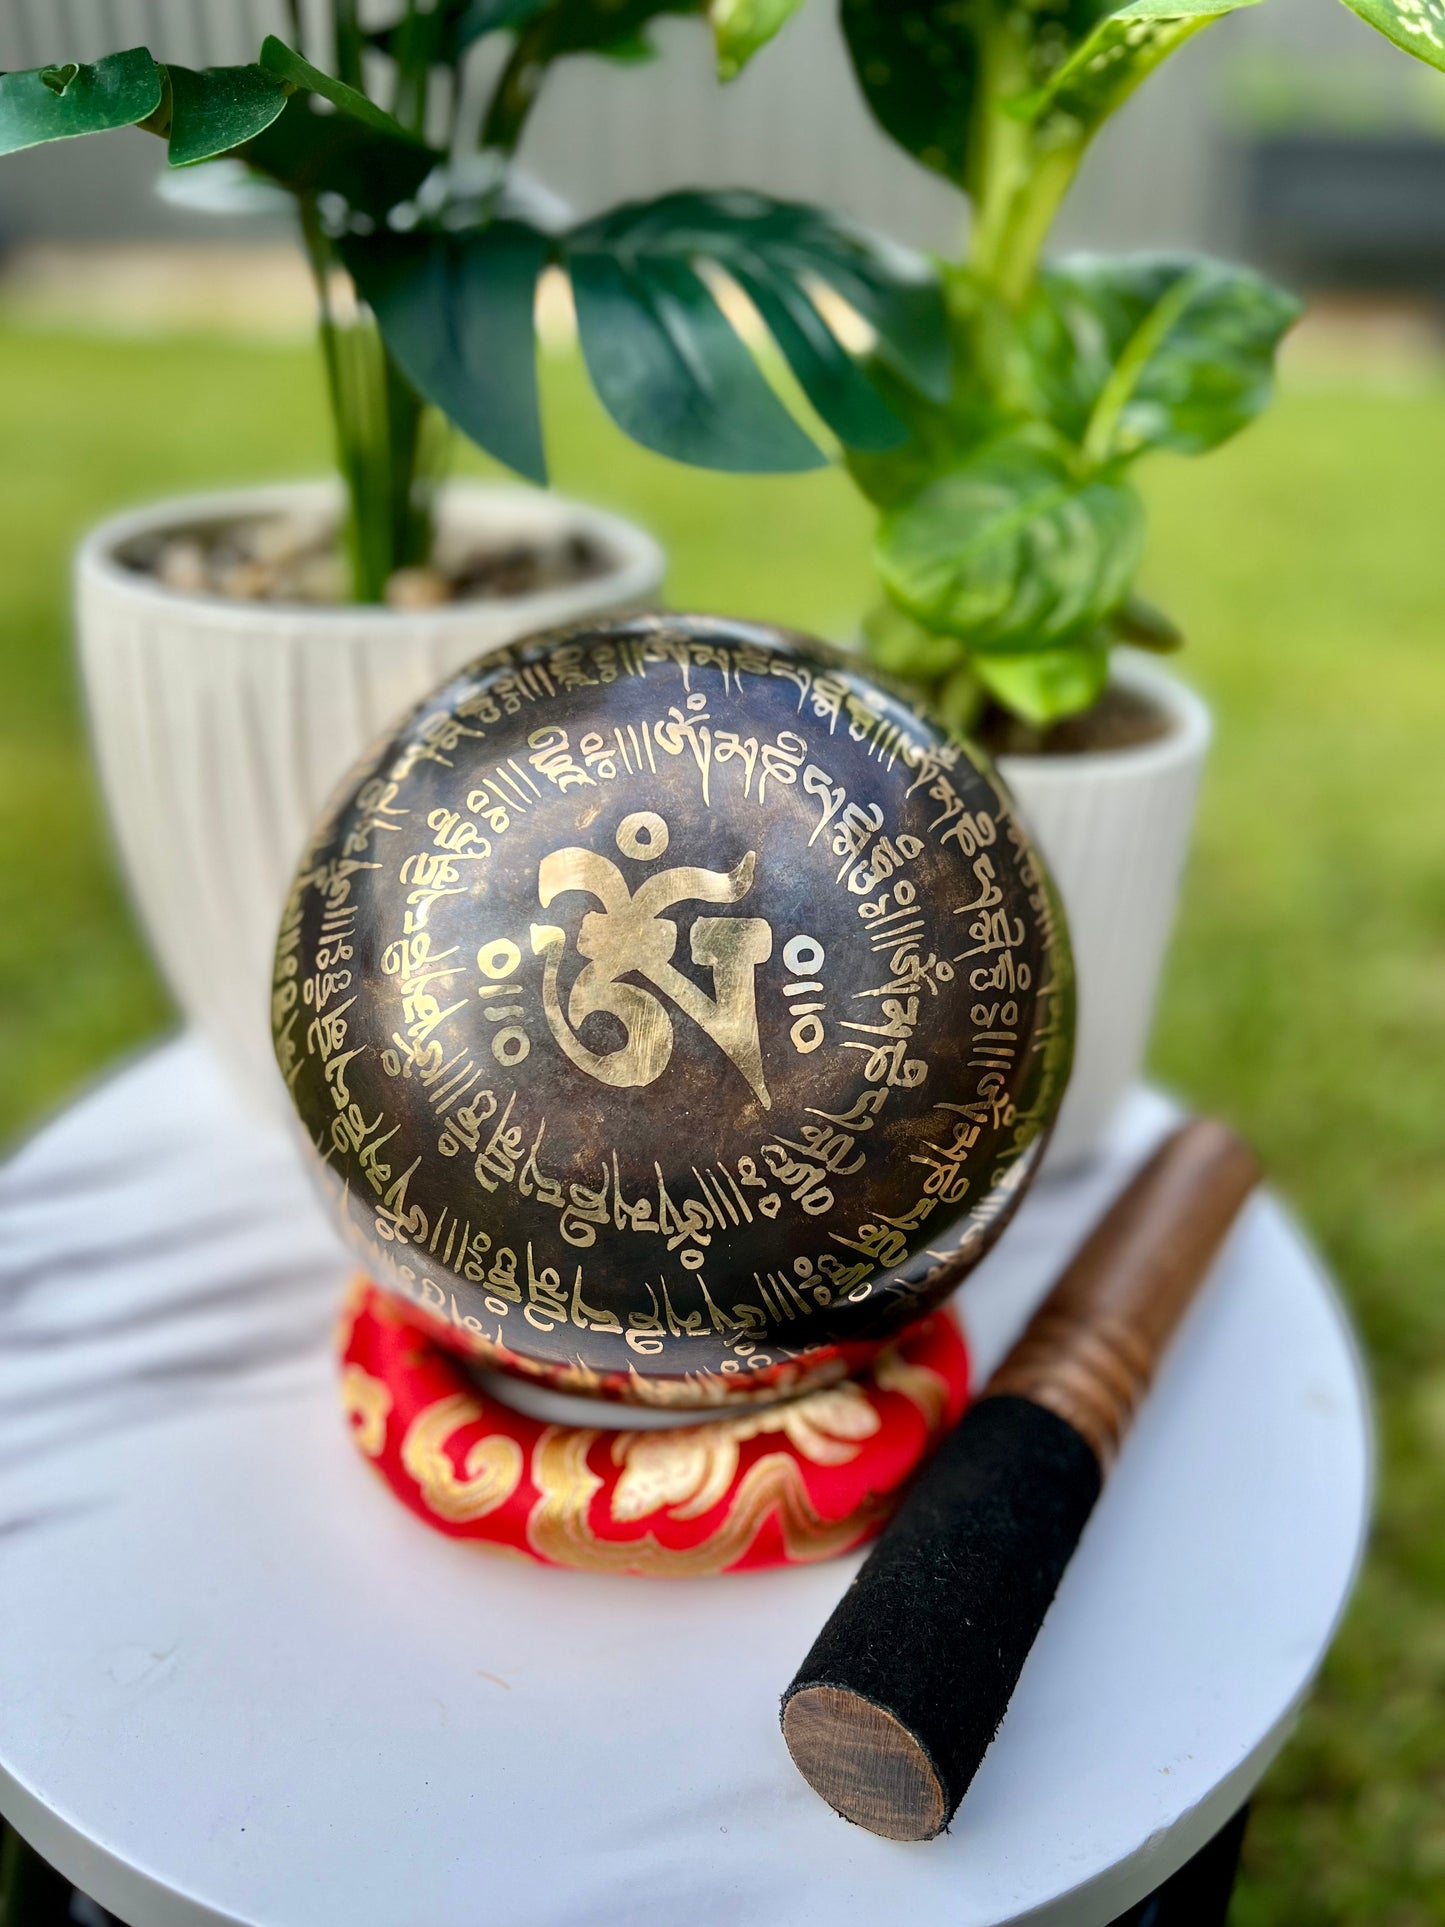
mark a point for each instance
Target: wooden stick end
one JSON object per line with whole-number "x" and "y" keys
{"x": 864, "y": 1763}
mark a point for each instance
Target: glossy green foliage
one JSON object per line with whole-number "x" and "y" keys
{"x": 1014, "y": 550}
{"x": 287, "y": 65}
{"x": 1154, "y": 351}
{"x": 918, "y": 69}
{"x": 671, "y": 369}
{"x": 455, "y": 311}
{"x": 934, "y": 72}
{"x": 1120, "y": 53}
{"x": 451, "y": 279}
{"x": 1416, "y": 25}
{"x": 1009, "y": 532}
{"x": 741, "y": 27}
{"x": 52, "y": 103}
{"x": 617, "y": 29}
{"x": 1010, "y": 536}
{"x": 219, "y": 109}
{"x": 310, "y": 153}
{"x": 1046, "y": 684}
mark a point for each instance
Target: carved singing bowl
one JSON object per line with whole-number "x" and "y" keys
{"x": 673, "y": 1013}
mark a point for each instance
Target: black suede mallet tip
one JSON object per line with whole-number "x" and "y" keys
{"x": 891, "y": 1713}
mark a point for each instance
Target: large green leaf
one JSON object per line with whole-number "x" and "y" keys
{"x": 918, "y": 67}
{"x": 977, "y": 409}
{"x": 455, "y": 311}
{"x": 1013, "y": 550}
{"x": 218, "y": 108}
{"x": 829, "y": 376}
{"x": 903, "y": 648}
{"x": 1155, "y": 351}
{"x": 1416, "y": 25}
{"x": 670, "y": 370}
{"x": 311, "y": 153}
{"x": 1046, "y": 685}
{"x": 52, "y": 103}
{"x": 286, "y": 64}
{"x": 1123, "y": 50}
{"x": 636, "y": 279}
{"x": 740, "y": 27}
{"x": 923, "y": 64}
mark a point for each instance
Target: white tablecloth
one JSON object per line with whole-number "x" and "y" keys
{"x": 239, "y": 1683}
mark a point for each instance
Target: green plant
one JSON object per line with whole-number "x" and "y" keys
{"x": 424, "y": 221}
{"x": 1010, "y": 530}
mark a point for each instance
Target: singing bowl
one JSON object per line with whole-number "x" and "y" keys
{"x": 672, "y": 1012}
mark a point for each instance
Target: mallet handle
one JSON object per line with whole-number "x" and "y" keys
{"x": 892, "y": 1711}
{"x": 1091, "y": 1350}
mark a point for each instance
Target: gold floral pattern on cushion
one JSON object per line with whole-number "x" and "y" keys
{"x": 491, "y": 1468}
{"x": 367, "y": 1403}
{"x": 928, "y": 1390}
{"x": 786, "y": 1484}
{"x": 687, "y": 1471}
{"x": 560, "y": 1528}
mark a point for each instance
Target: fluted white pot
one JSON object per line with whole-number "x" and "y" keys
{"x": 1114, "y": 828}
{"x": 220, "y": 726}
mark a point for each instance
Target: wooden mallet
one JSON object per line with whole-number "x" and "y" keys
{"x": 891, "y": 1713}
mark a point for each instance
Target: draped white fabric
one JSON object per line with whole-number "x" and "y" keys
{"x": 238, "y": 1683}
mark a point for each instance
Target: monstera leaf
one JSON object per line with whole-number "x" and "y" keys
{"x": 673, "y": 374}
{"x": 672, "y": 371}
{"x": 1154, "y": 351}
{"x": 1416, "y": 25}
{"x": 1013, "y": 551}
{"x": 455, "y": 311}
{"x": 52, "y": 103}
{"x": 1121, "y": 51}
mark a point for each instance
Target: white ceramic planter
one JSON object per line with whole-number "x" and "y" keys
{"x": 1114, "y": 828}
{"x": 220, "y": 727}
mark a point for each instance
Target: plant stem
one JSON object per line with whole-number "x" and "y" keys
{"x": 350, "y": 43}
{"x": 382, "y": 444}
{"x": 1019, "y": 174}
{"x": 1031, "y": 216}
{"x": 412, "y": 49}
{"x": 999, "y": 164}
{"x": 1098, "y": 443}
{"x": 516, "y": 91}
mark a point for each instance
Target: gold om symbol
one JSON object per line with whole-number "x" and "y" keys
{"x": 630, "y": 934}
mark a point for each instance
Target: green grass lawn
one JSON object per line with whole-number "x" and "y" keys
{"x": 1306, "y": 997}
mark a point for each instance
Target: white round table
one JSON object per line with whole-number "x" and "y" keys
{"x": 239, "y": 1683}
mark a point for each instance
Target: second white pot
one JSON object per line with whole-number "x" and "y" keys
{"x": 220, "y": 727}
{"x": 1114, "y": 828}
